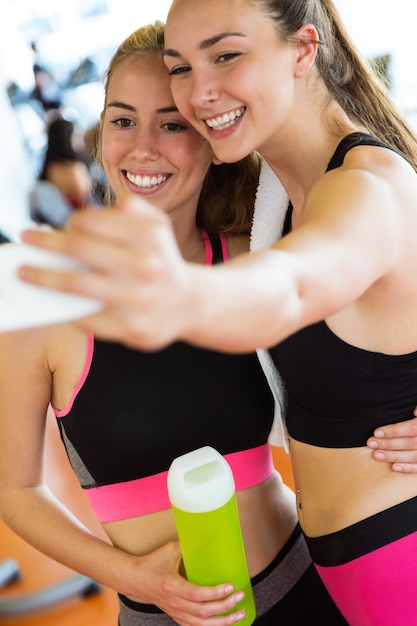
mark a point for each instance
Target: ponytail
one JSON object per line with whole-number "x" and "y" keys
{"x": 349, "y": 78}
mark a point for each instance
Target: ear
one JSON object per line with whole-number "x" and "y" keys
{"x": 308, "y": 40}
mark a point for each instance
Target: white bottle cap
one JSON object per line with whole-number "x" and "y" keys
{"x": 200, "y": 481}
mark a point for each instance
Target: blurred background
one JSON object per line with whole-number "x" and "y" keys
{"x": 53, "y": 56}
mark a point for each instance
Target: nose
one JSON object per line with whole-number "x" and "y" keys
{"x": 145, "y": 145}
{"x": 204, "y": 92}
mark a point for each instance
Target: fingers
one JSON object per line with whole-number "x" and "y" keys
{"x": 399, "y": 455}
{"x": 405, "y": 429}
{"x": 187, "y": 603}
{"x": 199, "y": 605}
{"x": 80, "y": 282}
{"x": 401, "y": 436}
{"x": 107, "y": 242}
{"x": 117, "y": 226}
{"x": 53, "y": 240}
{"x": 401, "y": 460}
{"x": 405, "y": 468}
{"x": 211, "y": 606}
{"x": 88, "y": 235}
{"x": 117, "y": 252}
{"x": 217, "y": 613}
{"x": 131, "y": 263}
{"x": 396, "y": 444}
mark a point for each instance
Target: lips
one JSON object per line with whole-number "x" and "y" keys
{"x": 146, "y": 181}
{"x": 221, "y": 122}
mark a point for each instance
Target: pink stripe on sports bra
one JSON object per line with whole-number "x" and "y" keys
{"x": 87, "y": 365}
{"x": 225, "y": 248}
{"x": 148, "y": 495}
{"x": 208, "y": 248}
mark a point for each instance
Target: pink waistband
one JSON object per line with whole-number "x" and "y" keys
{"x": 150, "y": 494}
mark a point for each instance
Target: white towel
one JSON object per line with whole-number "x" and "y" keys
{"x": 271, "y": 205}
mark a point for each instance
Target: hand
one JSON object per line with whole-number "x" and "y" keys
{"x": 397, "y": 444}
{"x": 133, "y": 265}
{"x": 161, "y": 584}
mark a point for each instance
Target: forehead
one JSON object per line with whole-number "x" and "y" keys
{"x": 186, "y": 6}
{"x": 139, "y": 69}
{"x": 203, "y": 19}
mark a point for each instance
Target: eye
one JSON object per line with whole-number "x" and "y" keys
{"x": 227, "y": 56}
{"x": 123, "y": 122}
{"x": 173, "y": 127}
{"x": 179, "y": 69}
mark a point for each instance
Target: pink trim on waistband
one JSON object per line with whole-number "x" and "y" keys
{"x": 87, "y": 365}
{"x": 150, "y": 494}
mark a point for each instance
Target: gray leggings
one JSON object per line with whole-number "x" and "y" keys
{"x": 269, "y": 587}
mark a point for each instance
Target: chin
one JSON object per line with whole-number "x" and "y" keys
{"x": 227, "y": 156}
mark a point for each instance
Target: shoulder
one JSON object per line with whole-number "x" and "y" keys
{"x": 366, "y": 207}
{"x": 24, "y": 354}
{"x": 43, "y": 345}
{"x": 377, "y": 160}
{"x": 371, "y": 179}
{"x": 64, "y": 343}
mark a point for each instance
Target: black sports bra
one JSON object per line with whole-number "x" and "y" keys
{"x": 133, "y": 412}
{"x": 337, "y": 393}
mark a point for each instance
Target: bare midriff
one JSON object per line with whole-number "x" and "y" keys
{"x": 267, "y": 515}
{"x": 338, "y": 487}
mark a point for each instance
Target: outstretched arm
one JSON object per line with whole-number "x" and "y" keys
{"x": 152, "y": 297}
{"x": 397, "y": 444}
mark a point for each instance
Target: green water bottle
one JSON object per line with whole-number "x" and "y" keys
{"x": 201, "y": 488}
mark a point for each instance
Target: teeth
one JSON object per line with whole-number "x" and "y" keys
{"x": 145, "y": 181}
{"x": 226, "y": 120}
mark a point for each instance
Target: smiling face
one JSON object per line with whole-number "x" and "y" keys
{"x": 147, "y": 147}
{"x": 232, "y": 76}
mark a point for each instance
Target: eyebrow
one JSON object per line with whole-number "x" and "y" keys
{"x": 129, "y": 107}
{"x": 120, "y": 105}
{"x": 205, "y": 44}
